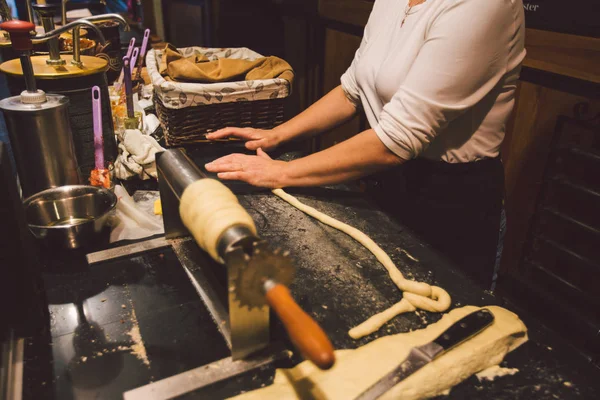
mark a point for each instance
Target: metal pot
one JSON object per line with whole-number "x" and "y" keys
{"x": 69, "y": 216}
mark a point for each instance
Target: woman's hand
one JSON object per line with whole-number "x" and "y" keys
{"x": 258, "y": 170}
{"x": 255, "y": 138}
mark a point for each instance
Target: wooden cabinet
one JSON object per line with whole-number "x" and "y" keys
{"x": 343, "y": 23}
{"x": 340, "y": 47}
{"x": 551, "y": 154}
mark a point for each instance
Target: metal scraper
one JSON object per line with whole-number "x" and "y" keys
{"x": 420, "y": 356}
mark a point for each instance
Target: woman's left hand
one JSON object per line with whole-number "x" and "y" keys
{"x": 258, "y": 170}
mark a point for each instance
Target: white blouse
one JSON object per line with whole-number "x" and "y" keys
{"x": 442, "y": 85}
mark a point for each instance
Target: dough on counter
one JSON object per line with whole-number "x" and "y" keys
{"x": 417, "y": 295}
{"x": 356, "y": 370}
{"x": 208, "y": 208}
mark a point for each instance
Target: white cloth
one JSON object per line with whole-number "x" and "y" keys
{"x": 151, "y": 124}
{"x": 129, "y": 222}
{"x": 443, "y": 85}
{"x": 137, "y": 155}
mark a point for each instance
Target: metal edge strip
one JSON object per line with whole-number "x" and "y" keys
{"x": 197, "y": 378}
{"x": 11, "y": 369}
{"x": 126, "y": 251}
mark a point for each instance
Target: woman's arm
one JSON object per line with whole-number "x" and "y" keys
{"x": 331, "y": 110}
{"x": 354, "y": 158}
{"x": 328, "y": 112}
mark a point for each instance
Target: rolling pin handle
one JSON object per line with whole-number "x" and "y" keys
{"x": 305, "y": 333}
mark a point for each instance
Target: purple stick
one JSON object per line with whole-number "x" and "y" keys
{"x": 128, "y": 55}
{"x": 134, "y": 56}
{"x": 131, "y": 46}
{"x": 98, "y": 139}
{"x": 144, "y": 46}
{"x": 128, "y": 88}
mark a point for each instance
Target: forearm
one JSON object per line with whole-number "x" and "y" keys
{"x": 354, "y": 158}
{"x": 329, "y": 111}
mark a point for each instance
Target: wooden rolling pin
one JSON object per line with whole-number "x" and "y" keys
{"x": 305, "y": 333}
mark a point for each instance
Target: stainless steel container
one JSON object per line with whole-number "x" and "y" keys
{"x": 78, "y": 91}
{"x": 42, "y": 142}
{"x": 69, "y": 216}
{"x": 74, "y": 78}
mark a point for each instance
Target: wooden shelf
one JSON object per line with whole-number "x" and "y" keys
{"x": 562, "y": 54}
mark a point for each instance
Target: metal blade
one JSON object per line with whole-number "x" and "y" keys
{"x": 249, "y": 326}
{"x": 417, "y": 359}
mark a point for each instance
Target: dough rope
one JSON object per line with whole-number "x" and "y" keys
{"x": 416, "y": 295}
{"x": 208, "y": 208}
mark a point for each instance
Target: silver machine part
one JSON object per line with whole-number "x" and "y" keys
{"x": 42, "y": 141}
{"x": 249, "y": 328}
{"x": 201, "y": 377}
{"x": 175, "y": 173}
{"x": 47, "y": 13}
{"x": 80, "y": 22}
{"x": 47, "y": 17}
{"x": 64, "y": 13}
{"x": 11, "y": 367}
{"x": 28, "y": 72}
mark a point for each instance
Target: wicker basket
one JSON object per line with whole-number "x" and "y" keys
{"x": 190, "y": 125}
{"x": 188, "y": 111}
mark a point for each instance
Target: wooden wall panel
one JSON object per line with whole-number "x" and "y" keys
{"x": 353, "y": 12}
{"x": 566, "y": 55}
{"x": 339, "y": 53}
{"x": 526, "y": 152}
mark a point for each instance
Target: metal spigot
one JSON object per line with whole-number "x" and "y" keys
{"x": 58, "y": 31}
{"x": 47, "y": 13}
{"x": 75, "y": 25}
{"x": 76, "y": 34}
{"x": 64, "y": 12}
{"x": 109, "y": 17}
{"x": 30, "y": 12}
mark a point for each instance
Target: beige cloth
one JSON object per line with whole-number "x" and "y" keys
{"x": 199, "y": 68}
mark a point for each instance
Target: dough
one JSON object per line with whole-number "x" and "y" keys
{"x": 416, "y": 294}
{"x": 208, "y": 208}
{"x": 356, "y": 370}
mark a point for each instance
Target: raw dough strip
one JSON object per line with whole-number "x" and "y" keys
{"x": 416, "y": 294}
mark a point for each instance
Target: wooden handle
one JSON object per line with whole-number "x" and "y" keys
{"x": 304, "y": 332}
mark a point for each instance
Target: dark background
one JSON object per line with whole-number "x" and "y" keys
{"x": 579, "y": 17}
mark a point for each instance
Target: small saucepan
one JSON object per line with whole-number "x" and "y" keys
{"x": 69, "y": 216}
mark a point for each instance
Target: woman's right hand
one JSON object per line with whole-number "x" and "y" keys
{"x": 254, "y": 138}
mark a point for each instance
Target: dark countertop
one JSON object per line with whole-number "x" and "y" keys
{"x": 97, "y": 312}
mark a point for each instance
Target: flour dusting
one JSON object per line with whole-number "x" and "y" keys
{"x": 137, "y": 348}
{"x": 495, "y": 371}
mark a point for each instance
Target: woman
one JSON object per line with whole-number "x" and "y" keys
{"x": 436, "y": 80}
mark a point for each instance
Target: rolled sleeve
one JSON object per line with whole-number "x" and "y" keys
{"x": 454, "y": 70}
{"x": 349, "y": 85}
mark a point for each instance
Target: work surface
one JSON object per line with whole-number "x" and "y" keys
{"x": 118, "y": 326}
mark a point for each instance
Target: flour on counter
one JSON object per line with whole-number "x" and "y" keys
{"x": 137, "y": 348}
{"x": 491, "y": 373}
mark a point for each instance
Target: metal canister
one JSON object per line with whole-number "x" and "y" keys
{"x": 78, "y": 90}
{"x": 42, "y": 142}
{"x": 72, "y": 76}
